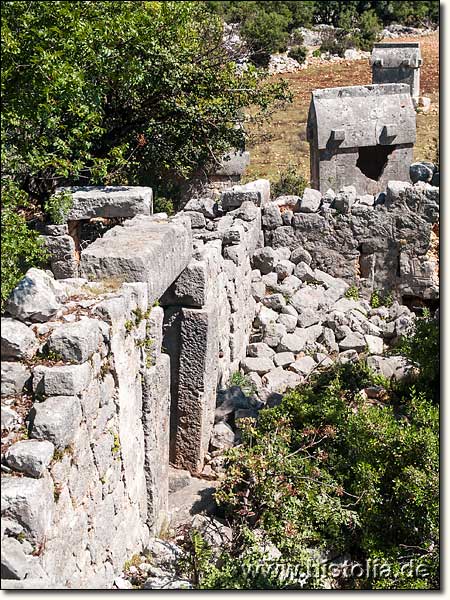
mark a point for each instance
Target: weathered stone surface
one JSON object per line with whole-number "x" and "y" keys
{"x": 206, "y": 206}
{"x": 274, "y": 301}
{"x": 35, "y": 298}
{"x": 272, "y": 334}
{"x": 394, "y": 62}
{"x": 31, "y": 457}
{"x": 191, "y": 340}
{"x": 233, "y": 164}
{"x": 288, "y": 321}
{"x": 310, "y": 201}
{"x": 375, "y": 345}
{"x": 278, "y": 380}
{"x": 260, "y": 365}
{"x": 291, "y": 343}
{"x": 345, "y": 199}
{"x": 304, "y": 272}
{"x": 66, "y": 380}
{"x": 9, "y": 418}
{"x": 271, "y": 218}
{"x": 264, "y": 260}
{"x": 61, "y": 249}
{"x": 304, "y": 365}
{"x": 30, "y": 501}
{"x": 18, "y": 341}
{"x": 282, "y": 359}
{"x": 76, "y": 342}
{"x": 395, "y": 191}
{"x": 420, "y": 172}
{"x": 308, "y": 317}
{"x": 15, "y": 377}
{"x": 300, "y": 255}
{"x": 353, "y": 341}
{"x": 260, "y": 350}
{"x": 257, "y": 192}
{"x": 56, "y": 419}
{"x": 198, "y": 220}
{"x": 390, "y": 366}
{"x": 222, "y": 436}
{"x": 15, "y": 564}
{"x": 108, "y": 201}
{"x": 283, "y": 269}
{"x": 156, "y": 424}
{"x": 143, "y": 250}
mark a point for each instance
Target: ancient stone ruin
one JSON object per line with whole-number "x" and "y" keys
{"x": 362, "y": 136}
{"x": 397, "y": 63}
{"x": 113, "y": 377}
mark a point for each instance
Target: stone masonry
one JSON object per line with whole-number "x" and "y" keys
{"x": 361, "y": 136}
{"x": 397, "y": 63}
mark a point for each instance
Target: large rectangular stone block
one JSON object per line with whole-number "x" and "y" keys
{"x": 191, "y": 338}
{"x": 108, "y": 201}
{"x": 155, "y": 418}
{"x": 145, "y": 249}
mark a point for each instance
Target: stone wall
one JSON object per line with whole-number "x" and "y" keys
{"x": 388, "y": 242}
{"x": 108, "y": 379}
{"x": 91, "y": 387}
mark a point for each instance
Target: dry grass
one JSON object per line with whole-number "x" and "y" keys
{"x": 282, "y": 141}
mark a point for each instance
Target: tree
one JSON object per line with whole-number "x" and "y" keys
{"x": 119, "y": 92}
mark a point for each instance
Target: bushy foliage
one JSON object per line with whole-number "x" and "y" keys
{"x": 289, "y": 183}
{"x": 298, "y": 53}
{"x": 21, "y": 247}
{"x": 114, "y": 93}
{"x": 422, "y": 349}
{"x": 329, "y": 472}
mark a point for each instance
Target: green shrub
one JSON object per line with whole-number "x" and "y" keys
{"x": 161, "y": 204}
{"x": 21, "y": 246}
{"x": 289, "y": 182}
{"x": 265, "y": 33}
{"x": 244, "y": 382}
{"x": 298, "y": 53}
{"x": 352, "y": 293}
{"x": 57, "y": 206}
{"x": 329, "y": 471}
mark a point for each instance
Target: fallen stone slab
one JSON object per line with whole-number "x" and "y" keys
{"x": 390, "y": 366}
{"x": 31, "y": 457}
{"x": 310, "y": 202}
{"x": 18, "y": 342}
{"x": 143, "y": 250}
{"x": 303, "y": 366}
{"x": 283, "y": 359}
{"x": 107, "y": 201}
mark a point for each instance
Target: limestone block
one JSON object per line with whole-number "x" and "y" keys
{"x": 271, "y": 218}
{"x": 191, "y": 339}
{"x": 233, "y": 164}
{"x": 76, "y": 342}
{"x": 258, "y": 365}
{"x": 259, "y": 350}
{"x": 353, "y": 341}
{"x": 145, "y": 250}
{"x": 222, "y": 436}
{"x": 198, "y": 220}
{"x": 264, "y": 260}
{"x": 304, "y": 365}
{"x": 291, "y": 342}
{"x": 274, "y": 301}
{"x": 18, "y": 341}
{"x": 15, "y": 377}
{"x": 288, "y": 321}
{"x": 108, "y": 201}
{"x": 31, "y": 457}
{"x": 156, "y": 402}
{"x": 197, "y": 283}
{"x": 56, "y": 419}
{"x": 278, "y": 380}
{"x": 257, "y": 192}
{"x": 310, "y": 202}
{"x": 390, "y": 366}
{"x": 29, "y": 501}
{"x": 16, "y": 564}
{"x": 283, "y": 359}
{"x": 206, "y": 206}
{"x": 36, "y": 297}
{"x": 61, "y": 249}
{"x": 299, "y": 254}
{"x": 9, "y": 418}
{"x": 273, "y": 333}
{"x": 66, "y": 380}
